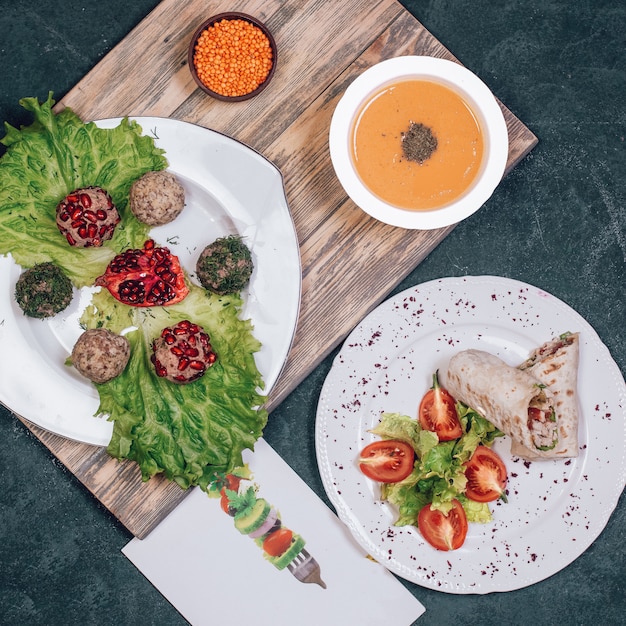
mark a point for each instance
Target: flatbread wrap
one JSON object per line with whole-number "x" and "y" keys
{"x": 555, "y": 364}
{"x": 511, "y": 399}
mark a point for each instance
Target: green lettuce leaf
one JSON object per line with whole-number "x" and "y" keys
{"x": 53, "y": 156}
{"x": 186, "y": 432}
{"x": 438, "y": 476}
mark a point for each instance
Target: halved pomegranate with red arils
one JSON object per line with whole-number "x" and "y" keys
{"x": 87, "y": 217}
{"x": 151, "y": 276}
{"x": 182, "y": 353}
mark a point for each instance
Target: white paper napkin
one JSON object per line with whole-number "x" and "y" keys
{"x": 209, "y": 571}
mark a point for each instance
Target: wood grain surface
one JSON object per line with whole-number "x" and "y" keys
{"x": 350, "y": 262}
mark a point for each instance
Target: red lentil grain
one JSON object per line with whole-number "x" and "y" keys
{"x": 232, "y": 57}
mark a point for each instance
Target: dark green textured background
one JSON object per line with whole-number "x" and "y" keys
{"x": 557, "y": 222}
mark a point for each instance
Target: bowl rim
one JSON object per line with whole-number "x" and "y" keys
{"x": 477, "y": 95}
{"x": 231, "y": 15}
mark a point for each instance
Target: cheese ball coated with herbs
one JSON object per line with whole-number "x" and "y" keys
{"x": 225, "y": 266}
{"x": 100, "y": 355}
{"x": 43, "y": 290}
{"x": 157, "y": 198}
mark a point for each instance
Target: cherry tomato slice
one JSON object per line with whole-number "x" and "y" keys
{"x": 231, "y": 483}
{"x": 486, "y": 476}
{"x": 387, "y": 461}
{"x": 278, "y": 542}
{"x": 437, "y": 413}
{"x": 443, "y": 532}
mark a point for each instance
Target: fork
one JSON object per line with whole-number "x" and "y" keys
{"x": 306, "y": 569}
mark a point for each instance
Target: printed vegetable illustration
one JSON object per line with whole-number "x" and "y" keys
{"x": 256, "y": 518}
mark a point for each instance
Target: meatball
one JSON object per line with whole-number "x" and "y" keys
{"x": 87, "y": 217}
{"x": 100, "y": 355}
{"x": 225, "y": 266}
{"x": 157, "y": 198}
{"x": 43, "y": 290}
{"x": 182, "y": 353}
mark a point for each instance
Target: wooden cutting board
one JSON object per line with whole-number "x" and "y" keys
{"x": 350, "y": 262}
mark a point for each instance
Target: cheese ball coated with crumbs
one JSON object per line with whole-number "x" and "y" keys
{"x": 100, "y": 355}
{"x": 157, "y": 198}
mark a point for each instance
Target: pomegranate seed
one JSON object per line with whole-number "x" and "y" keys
{"x": 91, "y": 204}
{"x": 183, "y": 364}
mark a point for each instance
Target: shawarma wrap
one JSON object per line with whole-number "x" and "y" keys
{"x": 555, "y": 364}
{"x": 513, "y": 400}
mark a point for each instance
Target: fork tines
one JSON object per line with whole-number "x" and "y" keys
{"x": 306, "y": 569}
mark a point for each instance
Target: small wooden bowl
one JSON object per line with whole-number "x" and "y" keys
{"x": 232, "y": 15}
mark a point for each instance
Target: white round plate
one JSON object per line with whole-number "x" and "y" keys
{"x": 458, "y": 78}
{"x": 555, "y": 509}
{"x": 229, "y": 189}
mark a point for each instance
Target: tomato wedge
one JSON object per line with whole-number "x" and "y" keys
{"x": 278, "y": 542}
{"x": 231, "y": 482}
{"x": 443, "y": 532}
{"x": 486, "y": 476}
{"x": 387, "y": 461}
{"x": 437, "y": 413}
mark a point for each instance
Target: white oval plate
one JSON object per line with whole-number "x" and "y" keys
{"x": 458, "y": 78}
{"x": 229, "y": 189}
{"x": 555, "y": 509}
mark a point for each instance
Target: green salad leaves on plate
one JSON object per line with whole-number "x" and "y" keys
{"x": 53, "y": 156}
{"x": 438, "y": 476}
{"x": 186, "y": 432}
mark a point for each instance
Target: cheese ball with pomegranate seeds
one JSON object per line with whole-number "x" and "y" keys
{"x": 157, "y": 198}
{"x": 182, "y": 353}
{"x": 100, "y": 355}
{"x": 87, "y": 217}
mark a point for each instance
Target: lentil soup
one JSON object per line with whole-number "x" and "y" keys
{"x": 416, "y": 144}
